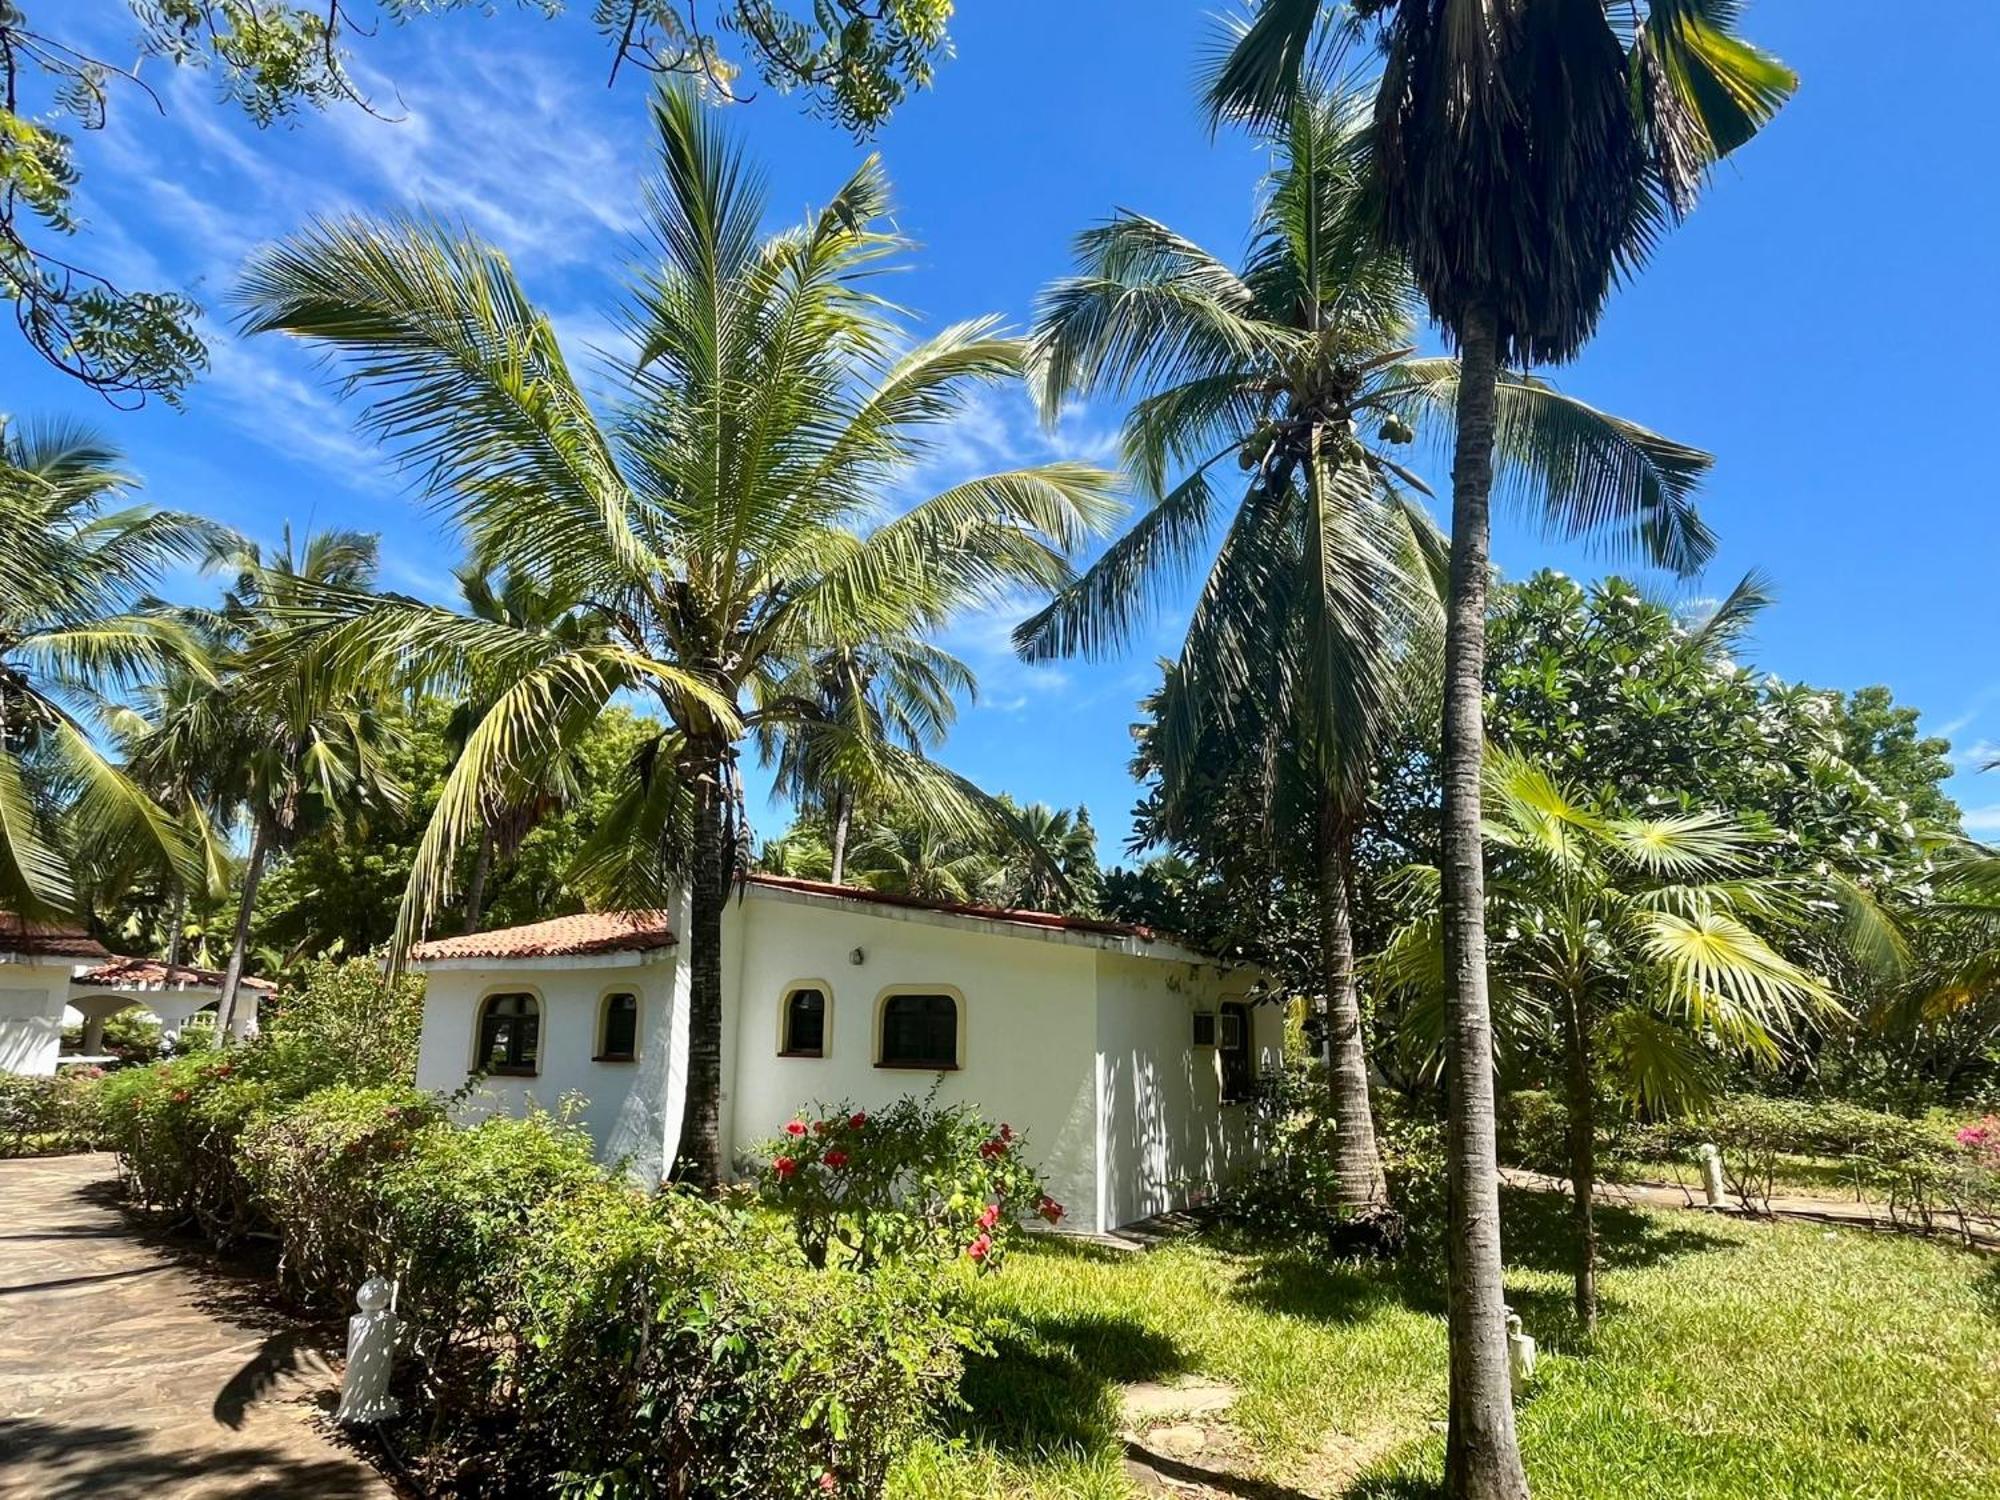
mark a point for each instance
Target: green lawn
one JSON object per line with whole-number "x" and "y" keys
{"x": 1733, "y": 1359}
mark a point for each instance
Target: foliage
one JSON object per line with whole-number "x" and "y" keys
{"x": 52, "y": 1116}
{"x": 670, "y": 1345}
{"x": 853, "y": 63}
{"x": 130, "y": 1035}
{"x": 349, "y": 1011}
{"x": 1292, "y": 1193}
{"x": 914, "y": 1183}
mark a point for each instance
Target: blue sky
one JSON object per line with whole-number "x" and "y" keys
{"x": 1818, "y": 324}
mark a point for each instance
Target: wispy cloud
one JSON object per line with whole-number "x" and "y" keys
{"x": 1983, "y": 819}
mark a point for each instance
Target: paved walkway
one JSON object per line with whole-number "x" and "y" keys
{"x": 1984, "y": 1233}
{"x": 133, "y": 1369}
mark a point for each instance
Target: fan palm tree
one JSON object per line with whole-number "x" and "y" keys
{"x": 916, "y": 857}
{"x": 1636, "y": 942}
{"x": 1523, "y": 153}
{"x": 730, "y": 521}
{"x": 1298, "y": 370}
{"x": 1052, "y": 862}
{"x": 78, "y": 633}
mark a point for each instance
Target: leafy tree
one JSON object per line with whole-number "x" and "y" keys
{"x": 1882, "y": 741}
{"x": 77, "y": 631}
{"x": 727, "y": 527}
{"x": 1300, "y": 370}
{"x": 853, "y": 61}
{"x": 1630, "y": 945}
{"x": 1523, "y": 155}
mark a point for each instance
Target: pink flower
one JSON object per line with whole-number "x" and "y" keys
{"x": 821, "y": 1127}
{"x": 991, "y": 1217}
{"x": 1049, "y": 1209}
{"x": 828, "y": 1483}
{"x": 980, "y": 1248}
{"x": 797, "y": 1127}
{"x": 835, "y": 1159}
{"x": 784, "y": 1166}
{"x": 856, "y": 1120}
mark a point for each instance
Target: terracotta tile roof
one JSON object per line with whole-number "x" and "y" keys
{"x": 561, "y": 937}
{"x": 47, "y": 939}
{"x": 155, "y": 973}
{"x": 1043, "y": 919}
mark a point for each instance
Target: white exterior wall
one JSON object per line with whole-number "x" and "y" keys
{"x": 1168, "y": 1138}
{"x": 571, "y": 991}
{"x": 33, "y": 994}
{"x": 1028, "y": 1031}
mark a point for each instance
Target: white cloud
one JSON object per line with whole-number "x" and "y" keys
{"x": 1983, "y": 819}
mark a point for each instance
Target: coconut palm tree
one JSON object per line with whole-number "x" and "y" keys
{"x": 916, "y": 857}
{"x": 1300, "y": 371}
{"x": 78, "y": 634}
{"x": 1639, "y": 950}
{"x": 732, "y": 518}
{"x": 1522, "y": 155}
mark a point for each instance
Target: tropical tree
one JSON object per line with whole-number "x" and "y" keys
{"x": 916, "y": 857}
{"x": 287, "y": 751}
{"x": 1522, "y": 156}
{"x": 1634, "y": 947}
{"x": 1050, "y": 861}
{"x": 1300, "y": 371}
{"x": 78, "y": 633}
{"x": 731, "y": 520}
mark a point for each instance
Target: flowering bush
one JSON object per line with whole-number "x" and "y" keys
{"x": 913, "y": 1181}
{"x": 51, "y": 1116}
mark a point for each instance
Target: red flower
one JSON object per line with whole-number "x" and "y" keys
{"x": 784, "y": 1166}
{"x": 1049, "y": 1209}
{"x": 1006, "y": 1131}
{"x": 835, "y": 1159}
{"x": 393, "y": 1112}
{"x": 225, "y": 1070}
{"x": 980, "y": 1248}
{"x": 821, "y": 1127}
{"x": 856, "y": 1120}
{"x": 991, "y": 1217}
{"x": 180, "y": 1096}
{"x": 797, "y": 1127}
{"x": 993, "y": 1150}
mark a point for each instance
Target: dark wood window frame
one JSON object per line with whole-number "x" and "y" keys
{"x": 1238, "y": 1055}
{"x": 933, "y": 1059}
{"x": 605, "y": 1051}
{"x": 517, "y": 1034}
{"x": 788, "y": 1045}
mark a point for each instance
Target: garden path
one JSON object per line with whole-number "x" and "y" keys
{"x": 134, "y": 1369}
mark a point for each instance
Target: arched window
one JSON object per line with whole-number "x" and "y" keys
{"x": 1239, "y": 1070}
{"x": 618, "y": 1027}
{"x": 510, "y": 1034}
{"x": 804, "y": 1022}
{"x": 919, "y": 1031}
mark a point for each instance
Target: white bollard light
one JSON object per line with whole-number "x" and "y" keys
{"x": 371, "y": 1347}
{"x": 1711, "y": 1175}
{"x": 1520, "y": 1355}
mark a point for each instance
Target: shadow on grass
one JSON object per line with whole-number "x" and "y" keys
{"x": 1052, "y": 1383}
{"x": 1536, "y": 1229}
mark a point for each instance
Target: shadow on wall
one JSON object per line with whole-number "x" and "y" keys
{"x": 92, "y": 1461}
{"x": 1051, "y": 1383}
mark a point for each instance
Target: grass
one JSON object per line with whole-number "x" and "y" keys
{"x": 1733, "y": 1359}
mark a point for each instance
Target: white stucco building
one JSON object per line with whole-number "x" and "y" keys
{"x": 1124, "y": 1057}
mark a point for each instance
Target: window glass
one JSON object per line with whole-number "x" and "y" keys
{"x": 1239, "y": 1074}
{"x": 510, "y": 1033}
{"x": 805, "y": 1023}
{"x": 621, "y": 1027}
{"x": 919, "y": 1031}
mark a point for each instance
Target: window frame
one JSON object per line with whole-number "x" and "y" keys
{"x": 479, "y": 1048}
{"x": 785, "y": 1049}
{"x": 1238, "y": 1011}
{"x": 952, "y": 993}
{"x": 601, "y": 1053}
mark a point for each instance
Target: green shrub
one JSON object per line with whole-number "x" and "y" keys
{"x": 54, "y": 1115}
{"x": 675, "y": 1347}
{"x": 347, "y": 1011}
{"x": 1534, "y": 1131}
{"x": 909, "y": 1182}
{"x": 1413, "y": 1161}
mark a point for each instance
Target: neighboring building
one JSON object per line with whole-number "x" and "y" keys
{"x": 1124, "y": 1057}
{"x": 52, "y": 976}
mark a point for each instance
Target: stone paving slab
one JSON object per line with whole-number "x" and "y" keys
{"x": 132, "y": 1368}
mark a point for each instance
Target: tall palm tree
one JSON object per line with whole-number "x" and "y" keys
{"x": 1300, "y": 371}
{"x": 78, "y": 634}
{"x": 916, "y": 857}
{"x": 1523, "y": 154}
{"x": 732, "y": 519}
{"x": 1050, "y": 862}
{"x": 1641, "y": 948}
{"x": 287, "y": 755}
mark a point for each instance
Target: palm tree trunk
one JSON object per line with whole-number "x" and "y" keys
{"x": 1482, "y": 1454}
{"x": 700, "y": 1162}
{"x": 475, "y": 889}
{"x": 1582, "y": 1100}
{"x": 232, "y": 977}
{"x": 1357, "y": 1167}
{"x": 174, "y": 937}
{"x": 843, "y": 824}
